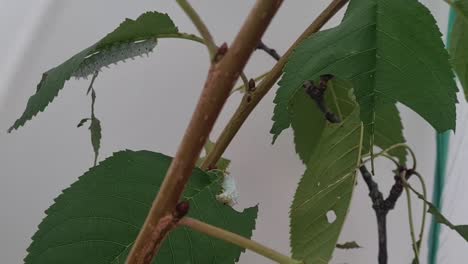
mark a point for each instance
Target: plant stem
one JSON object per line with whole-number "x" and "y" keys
{"x": 268, "y": 50}
{"x": 399, "y": 145}
{"x": 237, "y": 240}
{"x": 221, "y": 78}
{"x": 411, "y": 221}
{"x": 423, "y": 221}
{"x": 200, "y": 25}
{"x": 183, "y": 36}
{"x": 247, "y": 106}
{"x": 204, "y": 32}
{"x": 382, "y": 232}
{"x": 382, "y": 206}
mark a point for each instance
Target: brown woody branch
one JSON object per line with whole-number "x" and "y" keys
{"x": 221, "y": 79}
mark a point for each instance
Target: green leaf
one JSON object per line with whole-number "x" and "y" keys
{"x": 83, "y": 121}
{"x": 147, "y": 27}
{"x": 461, "y": 7}
{"x": 348, "y": 245}
{"x": 462, "y": 230}
{"x": 391, "y": 51}
{"x": 324, "y": 193}
{"x": 308, "y": 122}
{"x": 458, "y": 43}
{"x": 95, "y": 129}
{"x": 97, "y": 219}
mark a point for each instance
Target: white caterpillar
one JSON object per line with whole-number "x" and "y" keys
{"x": 230, "y": 195}
{"x": 120, "y": 52}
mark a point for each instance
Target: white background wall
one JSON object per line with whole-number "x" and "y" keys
{"x": 147, "y": 103}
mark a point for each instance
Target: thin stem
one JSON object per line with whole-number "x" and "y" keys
{"x": 399, "y": 145}
{"x": 183, "y": 36}
{"x": 200, "y": 25}
{"x": 268, "y": 50}
{"x": 423, "y": 221}
{"x": 236, "y": 240}
{"x": 204, "y": 32}
{"x": 246, "y": 107}
{"x": 221, "y": 78}
{"x": 410, "y": 218}
{"x": 244, "y": 79}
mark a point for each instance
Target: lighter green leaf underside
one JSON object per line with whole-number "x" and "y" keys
{"x": 391, "y": 51}
{"x": 97, "y": 219}
{"x": 131, "y": 38}
{"x": 308, "y": 122}
{"x": 461, "y": 7}
{"x": 324, "y": 193}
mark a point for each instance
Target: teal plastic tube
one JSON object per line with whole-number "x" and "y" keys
{"x": 442, "y": 141}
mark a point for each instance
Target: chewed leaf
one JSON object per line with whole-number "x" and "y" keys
{"x": 308, "y": 122}
{"x": 391, "y": 51}
{"x": 97, "y": 219}
{"x": 323, "y": 196}
{"x": 132, "y": 38}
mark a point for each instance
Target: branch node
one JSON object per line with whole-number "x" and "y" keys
{"x": 181, "y": 210}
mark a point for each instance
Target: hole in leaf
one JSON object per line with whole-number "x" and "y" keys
{"x": 331, "y": 216}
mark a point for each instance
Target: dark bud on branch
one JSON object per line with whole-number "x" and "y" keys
{"x": 181, "y": 210}
{"x": 251, "y": 87}
{"x": 222, "y": 50}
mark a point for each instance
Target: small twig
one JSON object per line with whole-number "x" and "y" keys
{"x": 245, "y": 108}
{"x": 221, "y": 78}
{"x": 200, "y": 25}
{"x": 381, "y": 214}
{"x": 237, "y": 240}
{"x": 203, "y": 30}
{"x": 268, "y": 50}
